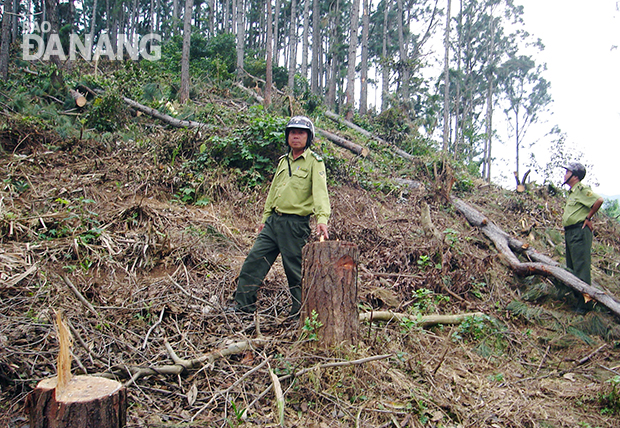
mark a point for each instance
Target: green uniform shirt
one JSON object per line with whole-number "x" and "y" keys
{"x": 304, "y": 192}
{"x": 580, "y": 200}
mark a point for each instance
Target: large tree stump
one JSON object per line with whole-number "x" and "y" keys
{"x": 86, "y": 401}
{"x": 329, "y": 287}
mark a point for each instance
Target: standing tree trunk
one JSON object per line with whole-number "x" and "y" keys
{"x": 364, "y": 61}
{"x": 276, "y": 33}
{"x": 6, "y": 40}
{"x": 329, "y": 288}
{"x": 446, "y": 82}
{"x": 187, "y": 34}
{"x": 489, "y": 113}
{"x": 240, "y": 39}
{"x": 385, "y": 69}
{"x": 332, "y": 68}
{"x": 305, "y": 40}
{"x": 402, "y": 46}
{"x": 292, "y": 65}
{"x": 316, "y": 45}
{"x": 350, "y": 103}
{"x": 269, "y": 60}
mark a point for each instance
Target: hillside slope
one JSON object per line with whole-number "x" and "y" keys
{"x": 106, "y": 217}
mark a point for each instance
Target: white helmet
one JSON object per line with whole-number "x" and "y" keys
{"x": 301, "y": 122}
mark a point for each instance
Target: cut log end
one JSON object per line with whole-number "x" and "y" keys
{"x": 75, "y": 404}
{"x": 80, "y": 100}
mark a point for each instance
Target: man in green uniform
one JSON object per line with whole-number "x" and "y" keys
{"x": 581, "y": 205}
{"x": 298, "y": 190}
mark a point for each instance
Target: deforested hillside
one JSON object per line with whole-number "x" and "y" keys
{"x": 135, "y": 230}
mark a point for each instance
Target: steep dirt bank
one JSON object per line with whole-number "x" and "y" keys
{"x": 103, "y": 217}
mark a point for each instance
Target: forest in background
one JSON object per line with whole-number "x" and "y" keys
{"x": 447, "y": 77}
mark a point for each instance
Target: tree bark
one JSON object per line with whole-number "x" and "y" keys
{"x": 333, "y": 116}
{"x": 425, "y": 321}
{"x": 329, "y": 284}
{"x": 446, "y": 82}
{"x": 292, "y": 65}
{"x": 503, "y": 242}
{"x": 305, "y": 40}
{"x": 385, "y": 70}
{"x": 5, "y": 40}
{"x": 187, "y": 34}
{"x": 240, "y": 38}
{"x": 364, "y": 59}
{"x": 87, "y": 401}
{"x": 316, "y": 42}
{"x": 355, "y": 148}
{"x": 353, "y": 41}
{"x": 269, "y": 59}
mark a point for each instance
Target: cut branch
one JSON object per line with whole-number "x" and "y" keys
{"x": 425, "y": 321}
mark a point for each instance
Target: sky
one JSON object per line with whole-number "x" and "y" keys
{"x": 582, "y": 53}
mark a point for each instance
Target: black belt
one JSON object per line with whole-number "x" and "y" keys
{"x": 301, "y": 217}
{"x": 574, "y": 226}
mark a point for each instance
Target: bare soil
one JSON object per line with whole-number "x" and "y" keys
{"x": 103, "y": 217}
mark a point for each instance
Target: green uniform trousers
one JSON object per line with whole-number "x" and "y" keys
{"x": 578, "y": 247}
{"x": 283, "y": 234}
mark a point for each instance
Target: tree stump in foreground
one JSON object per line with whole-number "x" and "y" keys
{"x": 86, "y": 401}
{"x": 329, "y": 287}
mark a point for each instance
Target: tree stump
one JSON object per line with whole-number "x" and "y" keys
{"x": 86, "y": 401}
{"x": 329, "y": 287}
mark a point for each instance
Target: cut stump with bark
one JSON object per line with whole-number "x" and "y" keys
{"x": 86, "y": 401}
{"x": 329, "y": 287}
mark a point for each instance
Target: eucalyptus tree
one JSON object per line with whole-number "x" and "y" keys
{"x": 446, "y": 101}
{"x": 316, "y": 42}
{"x": 6, "y": 40}
{"x": 482, "y": 44}
{"x": 305, "y": 39}
{"x": 240, "y": 33}
{"x": 334, "y": 42}
{"x": 353, "y": 43}
{"x": 269, "y": 60}
{"x": 187, "y": 32}
{"x": 364, "y": 59}
{"x": 292, "y": 63}
{"x": 527, "y": 94}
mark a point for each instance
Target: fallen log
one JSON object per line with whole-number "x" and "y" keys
{"x": 503, "y": 242}
{"x": 333, "y": 116}
{"x": 424, "y": 321}
{"x": 80, "y": 100}
{"x": 355, "y": 148}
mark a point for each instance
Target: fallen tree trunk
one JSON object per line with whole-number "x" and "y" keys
{"x": 80, "y": 100}
{"x": 177, "y": 123}
{"x": 333, "y": 116}
{"x": 545, "y": 266}
{"x": 355, "y": 148}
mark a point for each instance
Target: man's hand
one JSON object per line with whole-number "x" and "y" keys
{"x": 260, "y": 227}
{"x": 321, "y": 230}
